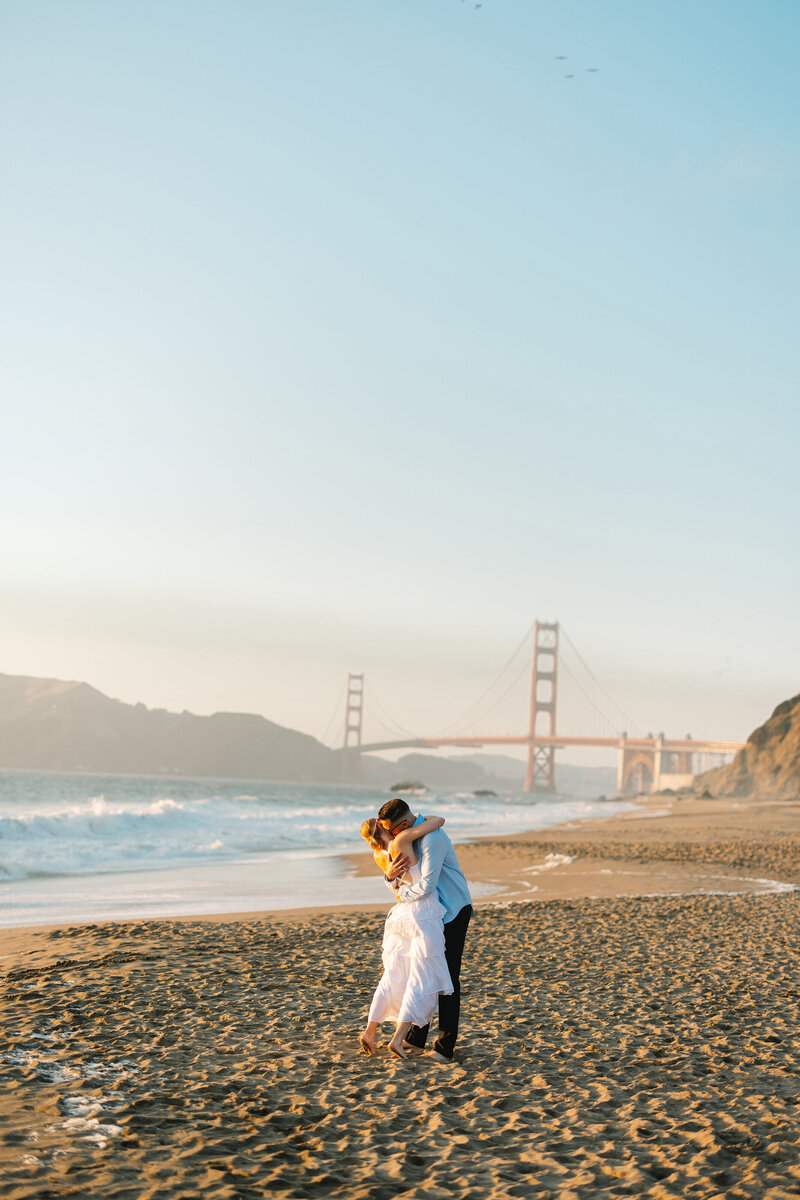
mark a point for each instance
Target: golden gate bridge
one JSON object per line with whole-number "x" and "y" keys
{"x": 644, "y": 762}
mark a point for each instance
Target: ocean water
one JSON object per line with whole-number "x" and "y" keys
{"x": 85, "y": 847}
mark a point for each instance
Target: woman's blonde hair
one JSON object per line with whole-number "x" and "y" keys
{"x": 369, "y": 832}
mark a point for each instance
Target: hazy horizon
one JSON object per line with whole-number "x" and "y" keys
{"x": 341, "y": 336}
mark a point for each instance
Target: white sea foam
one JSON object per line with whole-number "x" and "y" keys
{"x": 16, "y": 1057}
{"x": 89, "y": 1129}
{"x": 79, "y": 1106}
{"x": 83, "y": 848}
{"x": 775, "y": 886}
{"x": 112, "y": 1070}
{"x": 551, "y": 862}
{"x": 61, "y": 825}
{"x": 56, "y": 1072}
{"x": 90, "y": 1106}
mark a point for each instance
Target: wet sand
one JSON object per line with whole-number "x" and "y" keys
{"x": 614, "y": 1042}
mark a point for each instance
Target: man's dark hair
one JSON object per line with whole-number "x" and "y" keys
{"x": 394, "y": 811}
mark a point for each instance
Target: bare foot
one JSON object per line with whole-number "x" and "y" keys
{"x": 367, "y": 1046}
{"x": 397, "y": 1049}
{"x": 437, "y": 1057}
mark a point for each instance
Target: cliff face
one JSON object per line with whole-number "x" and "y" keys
{"x": 768, "y": 765}
{"x": 47, "y": 724}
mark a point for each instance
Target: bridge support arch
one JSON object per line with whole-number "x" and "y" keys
{"x": 638, "y": 775}
{"x": 639, "y": 768}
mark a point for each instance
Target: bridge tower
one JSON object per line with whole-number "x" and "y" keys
{"x": 353, "y": 722}
{"x": 541, "y": 776}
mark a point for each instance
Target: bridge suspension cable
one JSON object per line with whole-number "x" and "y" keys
{"x": 524, "y": 670}
{"x": 491, "y": 698}
{"x": 628, "y": 723}
{"x": 459, "y": 721}
{"x": 336, "y": 715}
{"x": 393, "y": 726}
{"x": 605, "y": 723}
{"x": 394, "y": 730}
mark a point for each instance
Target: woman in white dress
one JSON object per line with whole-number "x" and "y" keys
{"x": 415, "y": 971}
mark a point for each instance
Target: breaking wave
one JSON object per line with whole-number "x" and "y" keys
{"x": 53, "y": 825}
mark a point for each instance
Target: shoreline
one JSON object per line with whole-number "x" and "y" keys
{"x": 599, "y": 858}
{"x": 592, "y": 858}
{"x": 285, "y": 880}
{"x": 272, "y": 880}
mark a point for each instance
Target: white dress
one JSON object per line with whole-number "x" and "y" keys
{"x": 415, "y": 971}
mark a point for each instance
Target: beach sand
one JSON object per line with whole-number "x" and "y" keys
{"x": 614, "y": 1042}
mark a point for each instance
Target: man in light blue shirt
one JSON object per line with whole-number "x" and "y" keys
{"x": 439, "y": 871}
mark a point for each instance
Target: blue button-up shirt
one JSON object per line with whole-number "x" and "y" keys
{"x": 439, "y": 870}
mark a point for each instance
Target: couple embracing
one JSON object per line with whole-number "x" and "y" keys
{"x": 423, "y": 939}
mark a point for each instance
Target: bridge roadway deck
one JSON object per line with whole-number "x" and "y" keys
{"x": 559, "y": 741}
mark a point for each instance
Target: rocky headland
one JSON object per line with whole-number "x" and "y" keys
{"x": 768, "y": 765}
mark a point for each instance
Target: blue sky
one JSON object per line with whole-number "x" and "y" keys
{"x": 353, "y": 335}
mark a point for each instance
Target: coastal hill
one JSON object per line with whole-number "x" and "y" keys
{"x": 47, "y": 724}
{"x": 52, "y": 725}
{"x": 768, "y": 764}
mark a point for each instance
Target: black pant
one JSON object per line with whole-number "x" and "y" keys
{"x": 455, "y": 933}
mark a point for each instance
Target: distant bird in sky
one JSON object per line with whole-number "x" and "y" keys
{"x": 561, "y": 58}
{"x": 592, "y": 70}
{"x": 569, "y": 76}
